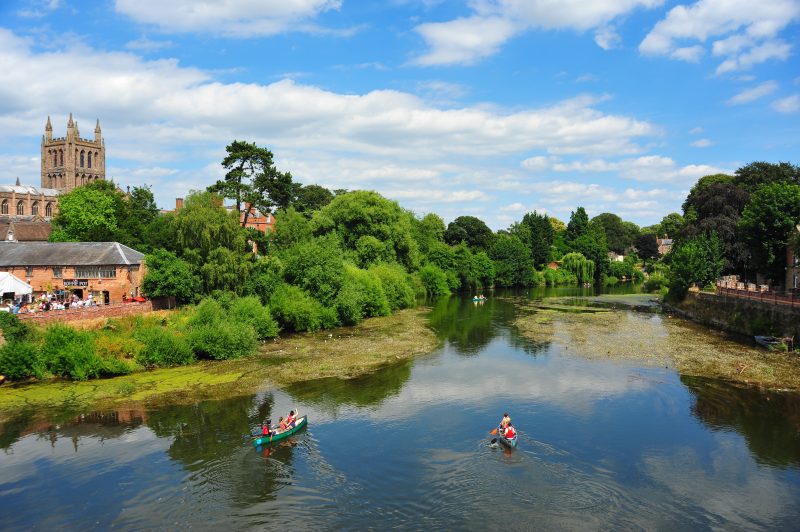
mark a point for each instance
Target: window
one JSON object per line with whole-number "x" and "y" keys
{"x": 20, "y": 208}
{"x": 95, "y": 272}
{"x": 82, "y": 155}
{"x": 57, "y": 272}
{"x": 35, "y": 208}
{"x": 29, "y": 271}
{"x": 90, "y": 159}
{"x": 55, "y": 158}
{"x": 61, "y": 156}
{"x": 4, "y": 207}
{"x": 48, "y": 210}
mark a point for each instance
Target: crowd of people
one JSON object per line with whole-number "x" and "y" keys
{"x": 48, "y": 301}
{"x": 267, "y": 429}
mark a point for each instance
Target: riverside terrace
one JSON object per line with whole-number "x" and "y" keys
{"x": 106, "y": 270}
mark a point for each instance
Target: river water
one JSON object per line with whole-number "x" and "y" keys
{"x": 603, "y": 445}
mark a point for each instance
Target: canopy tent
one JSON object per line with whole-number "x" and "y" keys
{"x": 9, "y": 283}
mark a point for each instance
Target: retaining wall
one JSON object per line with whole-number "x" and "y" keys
{"x": 100, "y": 311}
{"x": 742, "y": 316}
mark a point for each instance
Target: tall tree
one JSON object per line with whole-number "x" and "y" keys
{"x": 617, "y": 235}
{"x": 768, "y": 224}
{"x": 672, "y": 225}
{"x": 312, "y": 198}
{"x": 755, "y": 174}
{"x": 252, "y": 179}
{"x": 203, "y": 225}
{"x": 577, "y": 226}
{"x": 696, "y": 260}
{"x": 90, "y": 213}
{"x": 512, "y": 263}
{"x": 471, "y": 230}
{"x": 541, "y": 235}
{"x": 646, "y": 247}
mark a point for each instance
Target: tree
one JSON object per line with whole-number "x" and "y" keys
{"x": 767, "y": 225}
{"x": 580, "y": 266}
{"x": 697, "y": 260}
{"x": 540, "y": 236}
{"x": 592, "y": 245}
{"x": 471, "y": 230}
{"x": 511, "y": 261}
{"x": 169, "y": 276}
{"x": 647, "y": 247}
{"x": 428, "y": 232}
{"x": 90, "y": 213}
{"x": 577, "y": 226}
{"x": 203, "y": 225}
{"x": 558, "y": 225}
{"x": 312, "y": 198}
{"x": 139, "y": 210}
{"x": 617, "y": 235}
{"x": 755, "y": 174}
{"x": 672, "y": 225}
{"x": 252, "y": 179}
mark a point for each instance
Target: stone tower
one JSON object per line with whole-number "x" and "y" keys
{"x": 69, "y": 162}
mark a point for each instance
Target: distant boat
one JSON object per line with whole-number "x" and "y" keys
{"x": 479, "y": 298}
{"x": 265, "y": 440}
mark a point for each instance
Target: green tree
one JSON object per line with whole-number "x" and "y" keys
{"x": 540, "y": 236}
{"x": 592, "y": 245}
{"x": 580, "y": 266}
{"x": 291, "y": 227}
{"x": 252, "y": 179}
{"x": 577, "y": 226}
{"x": 767, "y": 225}
{"x": 647, "y": 247}
{"x": 512, "y": 263}
{"x": 471, "y": 230}
{"x": 428, "y": 232}
{"x": 90, "y": 213}
{"x": 617, "y": 235}
{"x": 672, "y": 225}
{"x": 697, "y": 260}
{"x": 169, "y": 276}
{"x": 204, "y": 225}
{"x": 312, "y": 198}
{"x": 750, "y": 177}
{"x": 316, "y": 266}
{"x": 226, "y": 269}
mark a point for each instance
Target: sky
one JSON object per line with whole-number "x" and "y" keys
{"x": 487, "y": 108}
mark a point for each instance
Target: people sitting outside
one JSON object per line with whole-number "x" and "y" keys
{"x": 510, "y": 433}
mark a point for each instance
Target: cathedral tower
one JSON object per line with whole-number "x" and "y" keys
{"x": 70, "y": 161}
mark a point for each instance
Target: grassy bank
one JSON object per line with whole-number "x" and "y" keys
{"x": 345, "y": 352}
{"x": 656, "y": 340}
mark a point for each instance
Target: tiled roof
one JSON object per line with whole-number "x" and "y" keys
{"x": 25, "y": 231}
{"x": 27, "y": 189}
{"x": 67, "y": 254}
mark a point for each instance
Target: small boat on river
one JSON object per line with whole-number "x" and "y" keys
{"x": 266, "y": 440}
{"x": 479, "y": 298}
{"x": 508, "y": 442}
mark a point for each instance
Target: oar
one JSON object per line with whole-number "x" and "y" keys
{"x": 493, "y": 432}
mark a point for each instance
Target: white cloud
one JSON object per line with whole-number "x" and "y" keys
{"x": 749, "y": 95}
{"x": 39, "y": 8}
{"x": 696, "y": 130}
{"x": 747, "y": 31}
{"x": 514, "y": 207}
{"x": 702, "y": 143}
{"x": 233, "y": 18}
{"x": 790, "y": 104}
{"x": 468, "y": 40}
{"x": 143, "y": 44}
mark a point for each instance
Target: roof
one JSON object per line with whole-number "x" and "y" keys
{"x": 67, "y": 254}
{"x": 25, "y": 230}
{"x": 27, "y": 189}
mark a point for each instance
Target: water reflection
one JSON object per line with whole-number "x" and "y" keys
{"x": 769, "y": 421}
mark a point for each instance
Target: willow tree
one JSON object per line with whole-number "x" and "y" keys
{"x": 582, "y": 267}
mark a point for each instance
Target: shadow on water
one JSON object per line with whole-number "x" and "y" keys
{"x": 768, "y": 421}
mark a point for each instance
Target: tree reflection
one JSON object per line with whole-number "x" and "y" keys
{"x": 466, "y": 325}
{"x": 768, "y": 421}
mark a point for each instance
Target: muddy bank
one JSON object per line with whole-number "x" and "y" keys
{"x": 345, "y": 353}
{"x": 657, "y": 340}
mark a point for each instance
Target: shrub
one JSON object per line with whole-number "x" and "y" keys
{"x": 249, "y": 310}
{"x": 361, "y": 296}
{"x": 434, "y": 280}
{"x": 20, "y": 360}
{"x": 223, "y": 340}
{"x": 225, "y": 298}
{"x": 609, "y": 280}
{"x": 71, "y": 353}
{"x": 296, "y": 310}
{"x": 14, "y": 329}
{"x": 537, "y": 279}
{"x": 559, "y": 277}
{"x": 208, "y": 312}
{"x": 163, "y": 348}
{"x": 396, "y": 285}
{"x": 654, "y": 283}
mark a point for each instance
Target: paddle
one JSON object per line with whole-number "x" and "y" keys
{"x": 493, "y": 432}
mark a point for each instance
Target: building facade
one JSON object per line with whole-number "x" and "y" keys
{"x": 106, "y": 270}
{"x": 71, "y": 161}
{"x": 23, "y": 202}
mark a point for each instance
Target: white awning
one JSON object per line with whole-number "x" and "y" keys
{"x": 10, "y": 283}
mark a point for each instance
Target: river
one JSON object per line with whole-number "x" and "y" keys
{"x": 604, "y": 444}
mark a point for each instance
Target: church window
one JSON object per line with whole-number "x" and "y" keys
{"x": 55, "y": 158}
{"x": 4, "y": 207}
{"x": 48, "y": 210}
{"x": 61, "y": 156}
{"x": 82, "y": 155}
{"x": 35, "y": 208}
{"x": 90, "y": 159}
{"x": 96, "y": 158}
{"x": 20, "y": 208}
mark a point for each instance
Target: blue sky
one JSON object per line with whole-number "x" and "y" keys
{"x": 490, "y": 108}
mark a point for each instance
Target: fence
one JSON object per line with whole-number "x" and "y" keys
{"x": 777, "y": 298}
{"x": 86, "y": 313}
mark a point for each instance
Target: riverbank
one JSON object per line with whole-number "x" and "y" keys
{"x": 345, "y": 353}
{"x": 653, "y": 339}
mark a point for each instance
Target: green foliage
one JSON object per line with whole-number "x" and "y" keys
{"x": 224, "y": 269}
{"x": 592, "y": 245}
{"x": 578, "y": 225}
{"x": 626, "y": 269}
{"x": 655, "y": 283}
{"x": 163, "y": 348}
{"x": 312, "y": 198}
{"x": 68, "y": 352}
{"x": 559, "y": 277}
{"x": 266, "y": 276}
{"x": 316, "y": 266}
{"x": 297, "y": 311}
{"x": 361, "y": 296}
{"x": 222, "y": 340}
{"x": 14, "y": 329}
{"x": 580, "y": 266}
{"x": 698, "y": 260}
{"x": 618, "y": 236}
{"x": 609, "y": 280}
{"x": 538, "y": 234}
{"x": 434, "y": 280}
{"x": 471, "y": 230}
{"x": 672, "y": 225}
{"x": 88, "y": 214}
{"x": 396, "y": 285}
{"x": 512, "y": 262}
{"x": 168, "y": 275}
{"x": 370, "y": 250}
{"x": 647, "y": 246}
{"x": 767, "y": 225}
{"x": 208, "y": 312}
{"x": 537, "y": 278}
{"x": 250, "y": 311}
{"x": 291, "y": 228}
{"x": 752, "y": 176}
{"x": 203, "y": 225}
{"x": 428, "y": 232}
{"x": 20, "y": 360}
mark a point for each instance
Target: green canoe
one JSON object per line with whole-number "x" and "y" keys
{"x": 266, "y": 440}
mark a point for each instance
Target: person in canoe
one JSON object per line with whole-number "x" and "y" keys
{"x": 291, "y": 419}
{"x": 509, "y": 433}
{"x": 266, "y": 428}
{"x": 506, "y": 421}
{"x": 282, "y": 425}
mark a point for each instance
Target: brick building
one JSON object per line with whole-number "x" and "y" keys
{"x": 107, "y": 270}
{"x": 23, "y": 201}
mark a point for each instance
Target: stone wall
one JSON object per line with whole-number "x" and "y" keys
{"x": 741, "y": 316}
{"x": 100, "y": 311}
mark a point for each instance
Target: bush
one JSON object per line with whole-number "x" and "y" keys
{"x": 14, "y": 329}
{"x": 537, "y": 279}
{"x": 654, "y": 283}
{"x": 225, "y": 298}
{"x": 297, "y": 311}
{"x": 118, "y": 352}
{"x": 434, "y": 280}
{"x": 361, "y": 296}
{"x": 559, "y": 277}
{"x": 20, "y": 360}
{"x": 71, "y": 353}
{"x": 163, "y": 348}
{"x": 609, "y": 280}
{"x": 223, "y": 340}
{"x": 250, "y": 311}
{"x": 396, "y": 285}
{"x": 208, "y": 312}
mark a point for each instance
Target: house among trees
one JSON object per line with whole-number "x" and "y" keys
{"x": 664, "y": 244}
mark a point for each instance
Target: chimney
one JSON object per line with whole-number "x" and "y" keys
{"x": 178, "y": 204}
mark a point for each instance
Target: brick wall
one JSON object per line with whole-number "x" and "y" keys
{"x": 43, "y": 281}
{"x": 100, "y": 311}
